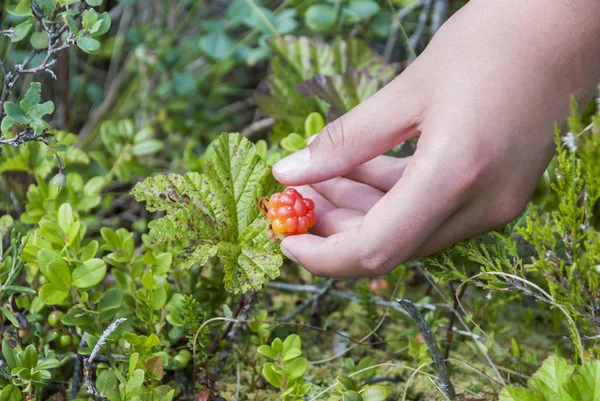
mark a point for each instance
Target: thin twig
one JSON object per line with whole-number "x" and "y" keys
{"x": 258, "y": 127}
{"x": 440, "y": 13}
{"x": 436, "y": 354}
{"x": 391, "y": 42}
{"x": 87, "y": 362}
{"x": 416, "y": 36}
{"x": 314, "y": 298}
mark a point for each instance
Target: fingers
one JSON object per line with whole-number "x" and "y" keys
{"x": 360, "y": 135}
{"x": 396, "y": 227}
{"x": 330, "y": 218}
{"x": 383, "y": 172}
{"x": 345, "y": 193}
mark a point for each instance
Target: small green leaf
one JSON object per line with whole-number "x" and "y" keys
{"x": 296, "y": 368}
{"x": 216, "y": 44}
{"x": 51, "y": 294}
{"x": 267, "y": 351}
{"x": 291, "y": 354}
{"x": 277, "y": 345}
{"x": 89, "y": 274}
{"x": 275, "y": 379}
{"x": 32, "y": 96}
{"x": 147, "y": 147}
{"x": 346, "y": 383}
{"x": 39, "y": 40}
{"x": 135, "y": 382}
{"x": 88, "y": 45}
{"x": 40, "y": 110}
{"x": 90, "y": 17}
{"x": 106, "y": 381}
{"x": 10, "y": 316}
{"x": 9, "y": 354}
{"x": 65, "y": 217}
{"x": 293, "y": 142}
{"x": 352, "y": 396}
{"x": 30, "y": 359}
{"x": 94, "y": 3}
{"x": 320, "y": 17}
{"x": 376, "y": 393}
{"x": 11, "y": 393}
{"x": 16, "y": 113}
{"x": 314, "y": 124}
{"x": 292, "y": 341}
{"x": 359, "y": 10}
{"x": 21, "y": 31}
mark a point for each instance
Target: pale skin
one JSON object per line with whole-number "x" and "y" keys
{"x": 483, "y": 98}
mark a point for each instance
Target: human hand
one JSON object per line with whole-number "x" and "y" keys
{"x": 483, "y": 97}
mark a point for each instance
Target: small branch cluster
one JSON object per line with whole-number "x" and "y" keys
{"x": 23, "y": 137}
{"x": 56, "y": 43}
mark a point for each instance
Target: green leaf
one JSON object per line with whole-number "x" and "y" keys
{"x": 10, "y": 316}
{"x": 351, "y": 396}
{"x": 267, "y": 351}
{"x": 585, "y": 384}
{"x": 65, "y": 217}
{"x": 30, "y": 359}
{"x": 147, "y": 147}
{"x": 292, "y": 341}
{"x": 89, "y": 274}
{"x": 104, "y": 26}
{"x": 296, "y": 368}
{"x": 9, "y": 354}
{"x": 135, "y": 382}
{"x": 51, "y": 294}
{"x": 39, "y": 40}
{"x": 216, "y": 45}
{"x": 32, "y": 96}
{"x": 274, "y": 378}
{"x": 520, "y": 394}
{"x": 293, "y": 142}
{"x": 218, "y": 212}
{"x": 359, "y": 10}
{"x": 551, "y": 377}
{"x": 54, "y": 268}
{"x": 16, "y": 113}
{"x": 21, "y": 31}
{"x": 346, "y": 383}
{"x": 277, "y": 346}
{"x": 94, "y": 3}
{"x": 37, "y": 111}
{"x": 320, "y": 17}
{"x": 314, "y": 124}
{"x": 106, "y": 381}
{"x": 376, "y": 393}
{"x": 11, "y": 393}
{"x": 112, "y": 299}
{"x": 88, "y": 45}
{"x": 90, "y": 17}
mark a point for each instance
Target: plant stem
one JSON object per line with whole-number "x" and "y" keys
{"x": 444, "y": 377}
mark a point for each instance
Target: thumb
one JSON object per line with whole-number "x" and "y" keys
{"x": 370, "y": 129}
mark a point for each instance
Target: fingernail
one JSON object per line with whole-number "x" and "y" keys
{"x": 288, "y": 254}
{"x": 293, "y": 163}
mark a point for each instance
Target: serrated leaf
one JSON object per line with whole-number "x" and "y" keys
{"x": 40, "y": 110}
{"x": 218, "y": 212}
{"x": 32, "y": 96}
{"x": 519, "y": 394}
{"x": 585, "y": 384}
{"x": 551, "y": 377}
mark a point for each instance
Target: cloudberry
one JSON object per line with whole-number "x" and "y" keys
{"x": 289, "y": 212}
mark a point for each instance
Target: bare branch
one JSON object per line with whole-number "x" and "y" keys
{"x": 444, "y": 377}
{"x": 87, "y": 362}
